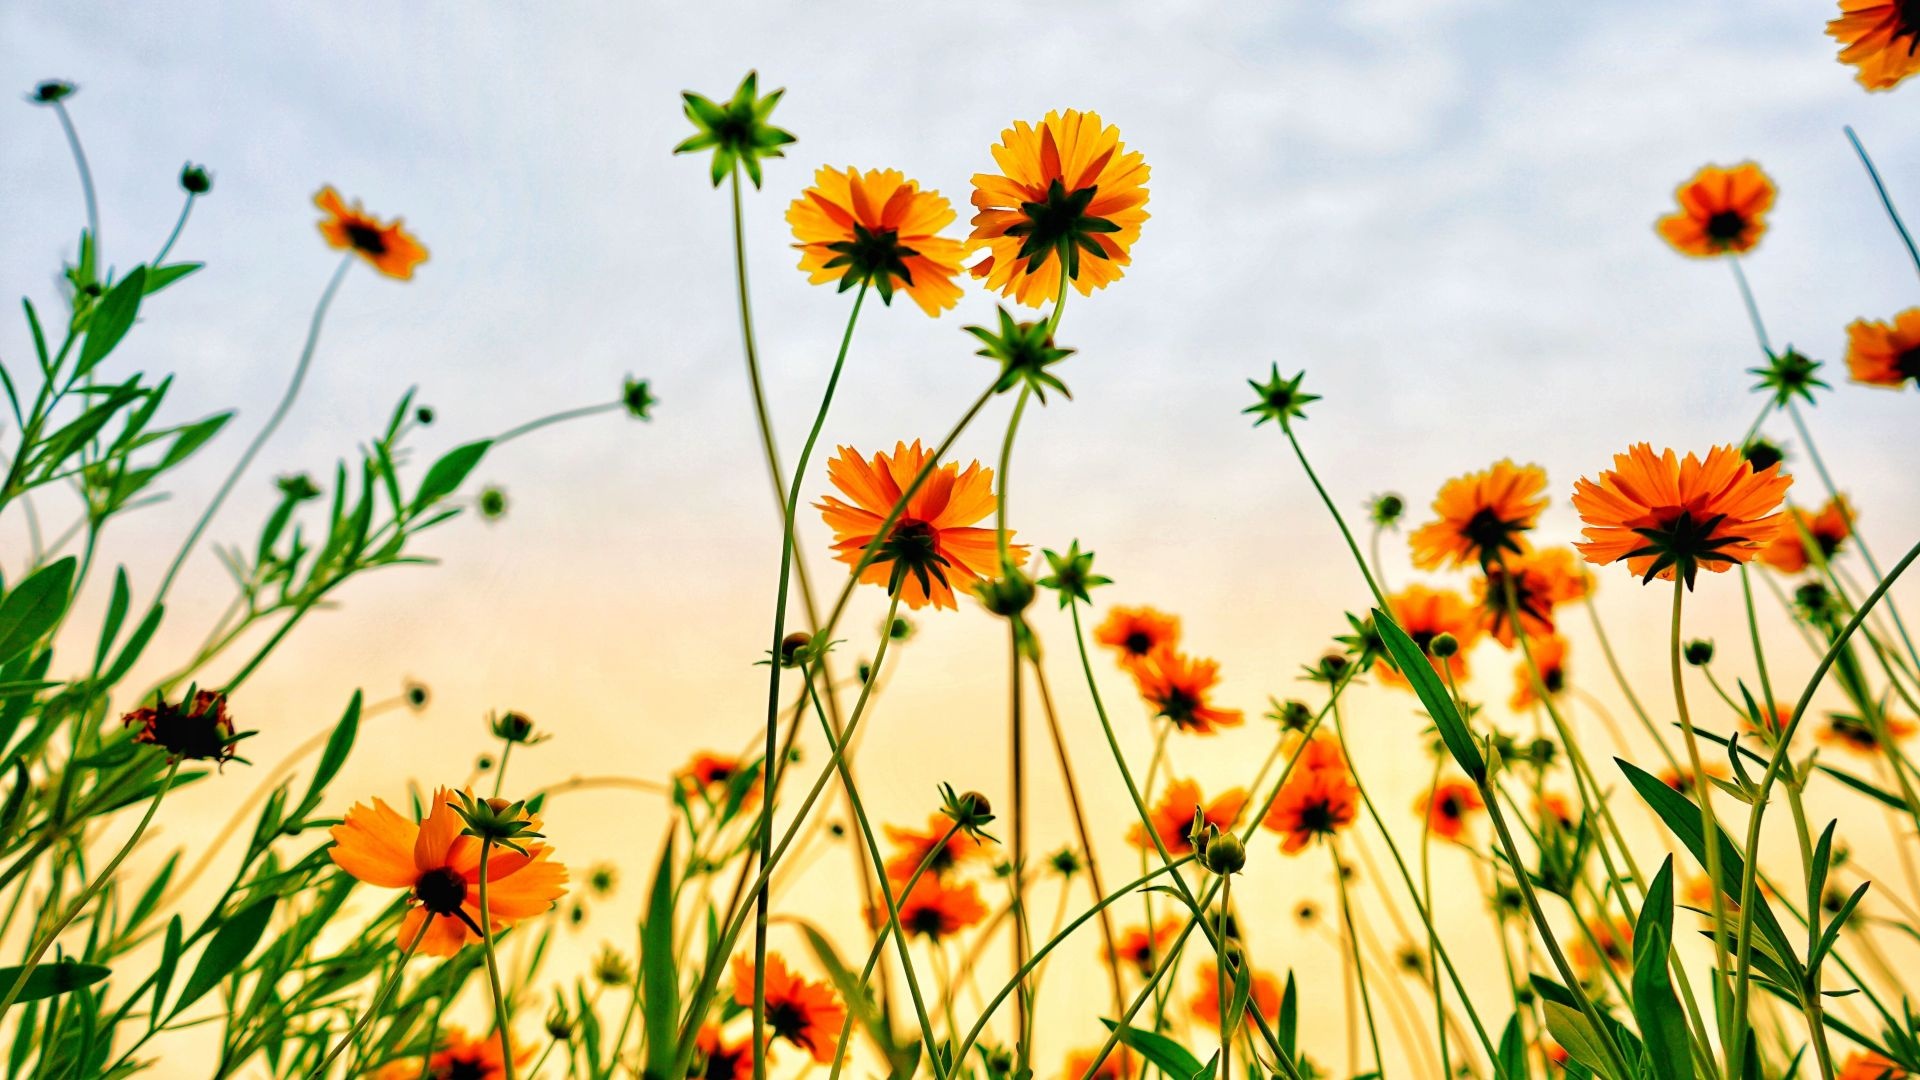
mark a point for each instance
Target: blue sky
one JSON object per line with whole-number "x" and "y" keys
{"x": 1442, "y": 211}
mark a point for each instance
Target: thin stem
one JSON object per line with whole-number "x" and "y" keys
{"x": 1220, "y": 980}
{"x": 86, "y": 896}
{"x": 1338, "y": 519}
{"x": 273, "y": 423}
{"x": 1880, "y": 189}
{"x": 185, "y": 209}
{"x": 1732, "y": 1026}
{"x": 560, "y": 417}
{"x": 379, "y": 1002}
{"x": 502, "y": 1022}
{"x": 1359, "y": 965}
{"x": 86, "y": 178}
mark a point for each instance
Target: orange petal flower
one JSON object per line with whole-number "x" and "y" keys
{"x": 1176, "y": 685}
{"x": 1425, "y": 614}
{"x": 806, "y": 1014}
{"x": 1550, "y": 656}
{"x": 937, "y": 908}
{"x": 461, "y": 1055}
{"x": 1867, "y": 1065}
{"x": 933, "y": 541}
{"x": 1316, "y": 803}
{"x": 440, "y": 868}
{"x": 1480, "y": 515}
{"x": 722, "y": 1061}
{"x": 1068, "y": 192}
{"x": 1682, "y": 779}
{"x": 1663, "y": 515}
{"x": 1721, "y": 211}
{"x": 1616, "y": 947}
{"x": 1264, "y": 995}
{"x": 1446, "y": 808}
{"x": 1173, "y": 816}
{"x": 1885, "y": 353}
{"x": 1856, "y": 734}
{"x": 1118, "y": 1065}
{"x": 711, "y": 775}
{"x": 1143, "y": 949}
{"x": 877, "y": 227}
{"x": 1826, "y": 530}
{"x": 911, "y": 848}
{"x": 1542, "y": 580}
{"x": 1880, "y": 38}
{"x": 1322, "y": 752}
{"x": 1136, "y": 632}
{"x": 387, "y": 247}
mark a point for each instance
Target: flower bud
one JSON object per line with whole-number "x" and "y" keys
{"x": 1699, "y": 652}
{"x": 793, "y": 648}
{"x": 1225, "y": 854}
{"x": 195, "y": 179}
{"x": 1443, "y": 645}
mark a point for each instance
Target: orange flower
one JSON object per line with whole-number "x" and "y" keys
{"x": 1854, "y": 733}
{"x": 1068, "y": 195}
{"x": 711, "y": 775}
{"x": 1865, "y": 1064}
{"x": 911, "y": 848}
{"x": 1136, "y": 632}
{"x": 932, "y": 546}
{"x": 877, "y": 228}
{"x": 806, "y": 1014}
{"x": 462, "y": 1056}
{"x": 1721, "y": 211}
{"x": 1447, "y": 806}
{"x": 1550, "y": 656}
{"x": 1322, "y": 752}
{"x": 1176, "y": 685}
{"x": 1118, "y": 1066}
{"x": 1885, "y": 353}
{"x": 1663, "y": 515}
{"x": 1481, "y": 515}
{"x": 1173, "y": 816}
{"x": 1827, "y": 530}
{"x": 1881, "y": 39}
{"x": 1682, "y": 779}
{"x": 936, "y": 909}
{"x": 388, "y": 248}
{"x": 1542, "y": 580}
{"x": 1554, "y": 806}
{"x": 1263, "y": 994}
{"x": 1318, "y": 802}
{"x": 440, "y": 868}
{"x": 723, "y": 1062}
{"x": 1775, "y": 716}
{"x": 1616, "y": 946}
{"x": 1142, "y": 949}
{"x": 1425, "y": 614}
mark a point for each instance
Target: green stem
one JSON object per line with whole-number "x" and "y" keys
{"x": 86, "y": 178}
{"x": 1359, "y": 964}
{"x": 86, "y": 896}
{"x": 501, "y": 1020}
{"x": 560, "y": 417}
{"x": 1880, "y": 189}
{"x": 1220, "y": 981}
{"x": 1338, "y": 519}
{"x": 175, "y": 234}
{"x": 1732, "y": 1025}
{"x": 379, "y": 1002}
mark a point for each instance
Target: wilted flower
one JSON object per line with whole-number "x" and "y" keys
{"x": 197, "y": 728}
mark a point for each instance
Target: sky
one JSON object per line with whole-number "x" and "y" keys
{"x": 1441, "y": 211}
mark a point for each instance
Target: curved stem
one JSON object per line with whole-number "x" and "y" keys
{"x": 273, "y": 423}
{"x": 501, "y": 1021}
{"x": 379, "y": 1002}
{"x": 1880, "y": 189}
{"x": 86, "y": 896}
{"x": 1359, "y": 560}
{"x": 175, "y": 234}
{"x": 86, "y": 178}
{"x": 1359, "y": 965}
{"x": 560, "y": 417}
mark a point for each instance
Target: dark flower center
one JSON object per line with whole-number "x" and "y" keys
{"x": 873, "y": 257}
{"x": 928, "y": 921}
{"x": 722, "y": 1064}
{"x": 1684, "y": 543}
{"x": 1489, "y": 533}
{"x": 366, "y": 238}
{"x": 441, "y": 891}
{"x": 462, "y": 1069}
{"x": 1316, "y": 817}
{"x": 1908, "y": 363}
{"x": 1061, "y": 226}
{"x": 1138, "y": 643}
{"x": 1450, "y": 807}
{"x": 1554, "y": 679}
{"x": 914, "y": 548}
{"x": 788, "y": 1021}
{"x": 1179, "y": 706}
{"x": 1726, "y": 226}
{"x": 196, "y": 730}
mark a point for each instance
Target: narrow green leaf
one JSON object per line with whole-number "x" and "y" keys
{"x": 446, "y": 475}
{"x": 116, "y": 613}
{"x": 54, "y": 977}
{"x": 1165, "y": 1054}
{"x": 1413, "y": 664}
{"x": 660, "y": 978}
{"x": 162, "y": 276}
{"x": 1663, "y": 1027}
{"x": 339, "y": 745}
{"x": 1571, "y": 1029}
{"x": 227, "y": 951}
{"x": 34, "y": 606}
{"x": 111, "y": 319}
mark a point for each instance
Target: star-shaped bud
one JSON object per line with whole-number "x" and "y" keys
{"x": 737, "y": 132}
{"x": 1025, "y": 350}
{"x": 1789, "y": 375}
{"x": 1281, "y": 399}
{"x": 1072, "y": 575}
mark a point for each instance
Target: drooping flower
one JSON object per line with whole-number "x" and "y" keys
{"x": 1550, "y": 656}
{"x": 1722, "y": 211}
{"x": 1542, "y": 579}
{"x": 1069, "y": 198}
{"x": 1880, "y": 38}
{"x": 1141, "y": 948}
{"x": 911, "y": 848}
{"x": 1826, "y": 531}
{"x": 200, "y": 731}
{"x": 1313, "y": 804}
{"x": 1856, "y": 734}
{"x": 386, "y": 246}
{"x": 1480, "y": 516}
{"x": 440, "y": 869}
{"x": 806, "y": 1014}
{"x": 720, "y": 1060}
{"x": 1177, "y": 685}
{"x": 1447, "y": 807}
{"x": 877, "y": 228}
{"x": 1885, "y": 354}
{"x": 1173, "y": 816}
{"x": 1665, "y": 516}
{"x": 937, "y": 908}
{"x": 1134, "y": 632}
{"x": 1426, "y": 613}
{"x": 1263, "y": 994}
{"x": 932, "y": 548}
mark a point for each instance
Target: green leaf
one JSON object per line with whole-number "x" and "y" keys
{"x": 447, "y": 474}
{"x": 169, "y": 961}
{"x": 116, "y": 613}
{"x": 1413, "y": 664}
{"x": 660, "y": 977}
{"x": 136, "y": 644}
{"x": 227, "y": 951}
{"x": 1165, "y": 1054}
{"x": 851, "y": 990}
{"x": 1512, "y": 1063}
{"x": 339, "y": 745}
{"x": 162, "y": 276}
{"x": 55, "y": 977}
{"x": 34, "y": 607}
{"x": 111, "y": 319}
{"x": 1663, "y": 1027}
{"x": 1288, "y": 1032}
{"x": 1575, "y": 1034}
